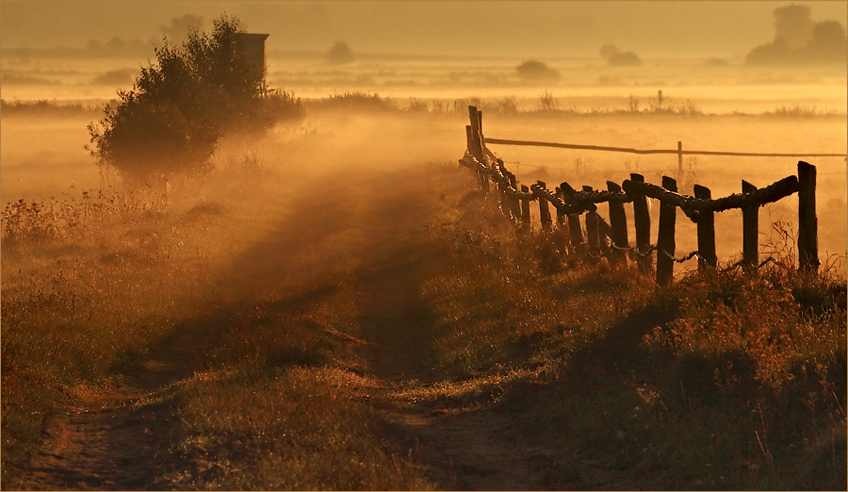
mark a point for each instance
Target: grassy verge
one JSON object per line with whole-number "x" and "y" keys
{"x": 724, "y": 381}
{"x": 728, "y": 380}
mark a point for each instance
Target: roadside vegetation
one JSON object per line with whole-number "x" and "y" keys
{"x": 726, "y": 381}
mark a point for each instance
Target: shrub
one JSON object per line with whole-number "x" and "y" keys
{"x": 534, "y": 70}
{"x": 340, "y": 53}
{"x": 179, "y": 106}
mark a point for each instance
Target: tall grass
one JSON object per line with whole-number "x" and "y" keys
{"x": 729, "y": 380}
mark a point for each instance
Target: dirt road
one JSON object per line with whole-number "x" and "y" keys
{"x": 122, "y": 440}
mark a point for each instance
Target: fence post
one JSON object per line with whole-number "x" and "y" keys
{"x": 808, "y": 243}
{"x": 525, "y": 210}
{"x": 642, "y": 222}
{"x": 544, "y": 212}
{"x": 665, "y": 239}
{"x": 476, "y": 135}
{"x": 592, "y": 235}
{"x": 679, "y": 159}
{"x": 706, "y": 231}
{"x": 618, "y": 222}
{"x": 750, "y": 229}
{"x": 560, "y": 216}
{"x": 574, "y": 230}
{"x": 514, "y": 207}
{"x": 562, "y": 228}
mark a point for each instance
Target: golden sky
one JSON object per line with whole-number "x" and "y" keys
{"x": 504, "y": 28}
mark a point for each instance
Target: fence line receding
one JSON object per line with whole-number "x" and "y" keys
{"x": 611, "y": 240}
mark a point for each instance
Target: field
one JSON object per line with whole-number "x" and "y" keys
{"x": 334, "y": 306}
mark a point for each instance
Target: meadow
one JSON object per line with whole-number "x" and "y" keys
{"x": 334, "y": 306}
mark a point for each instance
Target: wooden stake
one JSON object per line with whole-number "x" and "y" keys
{"x": 706, "y": 231}
{"x": 618, "y": 222}
{"x": 525, "y": 210}
{"x": 808, "y": 242}
{"x": 544, "y": 212}
{"x": 665, "y": 239}
{"x": 642, "y": 222}
{"x": 750, "y": 229}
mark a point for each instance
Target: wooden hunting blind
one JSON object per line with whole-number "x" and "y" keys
{"x": 254, "y": 51}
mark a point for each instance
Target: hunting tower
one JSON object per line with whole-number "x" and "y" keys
{"x": 254, "y": 53}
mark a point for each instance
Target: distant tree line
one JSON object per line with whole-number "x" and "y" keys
{"x": 798, "y": 40}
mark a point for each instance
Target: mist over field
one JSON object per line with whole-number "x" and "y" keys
{"x": 310, "y": 293}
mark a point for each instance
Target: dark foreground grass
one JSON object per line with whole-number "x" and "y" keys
{"x": 730, "y": 380}
{"x": 726, "y": 380}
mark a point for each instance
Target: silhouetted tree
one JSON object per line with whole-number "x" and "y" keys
{"x": 534, "y": 70}
{"x": 340, "y": 53}
{"x": 798, "y": 40}
{"x": 793, "y": 25}
{"x": 180, "y": 106}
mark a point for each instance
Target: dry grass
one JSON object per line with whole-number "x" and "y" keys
{"x": 726, "y": 381}
{"x": 730, "y": 380}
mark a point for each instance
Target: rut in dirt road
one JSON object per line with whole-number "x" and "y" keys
{"x": 475, "y": 450}
{"x": 125, "y": 440}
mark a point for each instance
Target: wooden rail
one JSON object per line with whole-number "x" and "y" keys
{"x": 570, "y": 204}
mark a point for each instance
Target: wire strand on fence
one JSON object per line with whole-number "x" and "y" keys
{"x": 629, "y": 150}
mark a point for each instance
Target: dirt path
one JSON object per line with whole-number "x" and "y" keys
{"x": 472, "y": 450}
{"x": 122, "y": 440}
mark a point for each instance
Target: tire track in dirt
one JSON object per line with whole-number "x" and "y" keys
{"x": 475, "y": 450}
{"x": 123, "y": 440}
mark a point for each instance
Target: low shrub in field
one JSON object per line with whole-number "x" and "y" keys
{"x": 43, "y": 107}
{"x": 353, "y": 101}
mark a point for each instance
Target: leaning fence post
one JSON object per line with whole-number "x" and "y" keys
{"x": 808, "y": 243}
{"x": 477, "y": 149}
{"x": 706, "y": 231}
{"x": 544, "y": 212}
{"x": 514, "y": 207}
{"x": 525, "y": 209}
{"x": 750, "y": 229}
{"x": 679, "y": 159}
{"x": 618, "y": 222}
{"x": 665, "y": 239}
{"x": 642, "y": 222}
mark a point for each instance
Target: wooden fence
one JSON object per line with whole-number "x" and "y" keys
{"x": 570, "y": 204}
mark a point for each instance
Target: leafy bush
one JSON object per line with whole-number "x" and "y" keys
{"x": 183, "y": 103}
{"x": 534, "y": 70}
{"x": 340, "y": 53}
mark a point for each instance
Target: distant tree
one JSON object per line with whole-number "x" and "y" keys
{"x": 828, "y": 42}
{"x": 534, "y": 70}
{"x": 624, "y": 59}
{"x": 608, "y": 50}
{"x": 793, "y": 25}
{"x": 114, "y": 77}
{"x": 179, "y": 106}
{"x": 800, "y": 41}
{"x": 340, "y": 53}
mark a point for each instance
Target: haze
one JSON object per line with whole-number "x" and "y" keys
{"x": 493, "y": 29}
